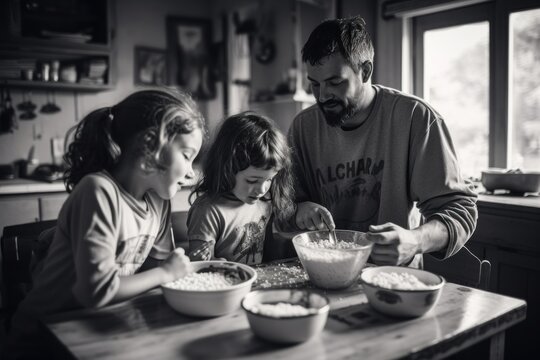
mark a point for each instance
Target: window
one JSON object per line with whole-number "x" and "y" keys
{"x": 524, "y": 93}
{"x": 479, "y": 66}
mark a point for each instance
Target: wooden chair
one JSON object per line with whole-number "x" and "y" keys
{"x": 463, "y": 268}
{"x": 17, "y": 244}
{"x": 467, "y": 269}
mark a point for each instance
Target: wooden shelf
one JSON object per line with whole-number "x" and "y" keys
{"x": 58, "y": 86}
{"x": 22, "y": 39}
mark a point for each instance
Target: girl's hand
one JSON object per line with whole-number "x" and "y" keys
{"x": 177, "y": 265}
{"x": 201, "y": 252}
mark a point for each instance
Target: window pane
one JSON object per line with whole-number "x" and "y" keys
{"x": 524, "y": 92}
{"x": 456, "y": 83}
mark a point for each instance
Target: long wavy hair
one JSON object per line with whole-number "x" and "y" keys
{"x": 348, "y": 37}
{"x": 248, "y": 139}
{"x": 142, "y": 125}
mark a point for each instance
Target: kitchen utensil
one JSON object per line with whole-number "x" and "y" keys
{"x": 8, "y": 118}
{"x": 50, "y": 106}
{"x": 27, "y": 107}
{"x": 332, "y": 236}
{"x": 26, "y": 104}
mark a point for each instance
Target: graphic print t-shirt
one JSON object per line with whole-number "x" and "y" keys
{"x": 340, "y": 169}
{"x": 102, "y": 233}
{"x": 401, "y": 156}
{"x": 235, "y": 230}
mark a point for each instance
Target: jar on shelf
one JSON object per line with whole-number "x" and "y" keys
{"x": 54, "y": 70}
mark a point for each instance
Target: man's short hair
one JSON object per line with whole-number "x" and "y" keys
{"x": 347, "y": 36}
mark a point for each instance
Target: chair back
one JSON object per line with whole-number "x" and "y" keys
{"x": 17, "y": 244}
{"x": 179, "y": 229}
{"x": 463, "y": 268}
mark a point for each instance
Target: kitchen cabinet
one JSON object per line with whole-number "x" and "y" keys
{"x": 508, "y": 235}
{"x": 18, "y": 210}
{"x": 57, "y": 45}
{"x": 25, "y": 208}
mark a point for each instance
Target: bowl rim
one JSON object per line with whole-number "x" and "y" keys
{"x": 295, "y": 240}
{"x": 242, "y": 284}
{"x": 504, "y": 171}
{"x": 385, "y": 267}
{"x": 322, "y": 310}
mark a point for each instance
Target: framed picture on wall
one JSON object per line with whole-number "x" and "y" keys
{"x": 150, "y": 66}
{"x": 189, "y": 56}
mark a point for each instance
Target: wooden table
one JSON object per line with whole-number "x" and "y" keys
{"x": 147, "y": 328}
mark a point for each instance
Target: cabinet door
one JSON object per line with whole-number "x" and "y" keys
{"x": 18, "y": 211}
{"x": 518, "y": 275}
{"x": 50, "y": 206}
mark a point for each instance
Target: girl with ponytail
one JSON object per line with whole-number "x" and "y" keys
{"x": 124, "y": 165}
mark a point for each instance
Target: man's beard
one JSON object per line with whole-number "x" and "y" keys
{"x": 339, "y": 118}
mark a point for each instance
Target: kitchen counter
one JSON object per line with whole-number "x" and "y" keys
{"x": 529, "y": 203}
{"x": 28, "y": 186}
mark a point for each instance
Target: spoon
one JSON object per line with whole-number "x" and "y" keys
{"x": 332, "y": 236}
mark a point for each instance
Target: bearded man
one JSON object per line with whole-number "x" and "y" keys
{"x": 365, "y": 155}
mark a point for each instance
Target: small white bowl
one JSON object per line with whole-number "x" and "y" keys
{"x": 282, "y": 326}
{"x": 209, "y": 303}
{"x": 402, "y": 302}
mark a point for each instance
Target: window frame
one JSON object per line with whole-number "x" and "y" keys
{"x": 497, "y": 13}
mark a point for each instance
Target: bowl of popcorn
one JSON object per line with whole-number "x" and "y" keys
{"x": 401, "y": 291}
{"x": 332, "y": 264}
{"x": 286, "y": 316}
{"x": 214, "y": 288}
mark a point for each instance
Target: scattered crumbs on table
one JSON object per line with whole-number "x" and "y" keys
{"x": 289, "y": 275}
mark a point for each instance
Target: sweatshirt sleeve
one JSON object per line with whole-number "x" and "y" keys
{"x": 94, "y": 237}
{"x": 436, "y": 183}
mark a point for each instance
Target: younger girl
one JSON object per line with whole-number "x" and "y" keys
{"x": 124, "y": 165}
{"x": 246, "y": 179}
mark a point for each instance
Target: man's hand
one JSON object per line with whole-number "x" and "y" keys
{"x": 393, "y": 245}
{"x": 312, "y": 216}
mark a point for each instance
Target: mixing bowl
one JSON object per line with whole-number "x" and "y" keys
{"x": 401, "y": 291}
{"x": 286, "y": 315}
{"x": 198, "y": 296}
{"x": 332, "y": 265}
{"x": 516, "y": 181}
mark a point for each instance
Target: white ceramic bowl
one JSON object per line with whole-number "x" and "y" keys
{"x": 401, "y": 302}
{"x": 208, "y": 303}
{"x": 331, "y": 267}
{"x": 281, "y": 326}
